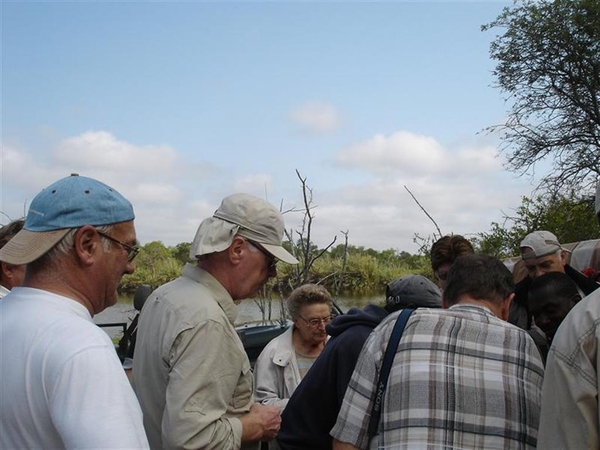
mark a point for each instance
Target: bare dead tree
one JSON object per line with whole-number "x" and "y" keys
{"x": 424, "y": 243}
{"x": 340, "y": 281}
{"x": 426, "y": 213}
{"x": 302, "y": 249}
{"x": 306, "y": 251}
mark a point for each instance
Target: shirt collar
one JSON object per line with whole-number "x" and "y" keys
{"x": 220, "y": 294}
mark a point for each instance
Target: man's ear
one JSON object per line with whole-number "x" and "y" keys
{"x": 505, "y": 310}
{"x": 87, "y": 243}
{"x": 236, "y": 249}
{"x": 8, "y": 270}
{"x": 5, "y": 271}
{"x": 563, "y": 257}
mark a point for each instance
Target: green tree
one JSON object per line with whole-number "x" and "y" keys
{"x": 181, "y": 252}
{"x": 570, "y": 218}
{"x": 155, "y": 265}
{"x": 548, "y": 67}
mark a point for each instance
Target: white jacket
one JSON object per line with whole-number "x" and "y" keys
{"x": 276, "y": 371}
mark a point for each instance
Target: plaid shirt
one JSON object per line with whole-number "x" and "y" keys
{"x": 461, "y": 378}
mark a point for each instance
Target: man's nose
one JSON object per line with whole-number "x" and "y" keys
{"x": 542, "y": 320}
{"x": 130, "y": 267}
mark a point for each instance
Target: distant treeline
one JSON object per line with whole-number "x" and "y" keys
{"x": 342, "y": 270}
{"x": 348, "y": 269}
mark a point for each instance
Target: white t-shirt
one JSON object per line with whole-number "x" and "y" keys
{"x": 62, "y": 384}
{"x": 3, "y": 291}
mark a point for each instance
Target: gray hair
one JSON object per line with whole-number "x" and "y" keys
{"x": 54, "y": 256}
{"x": 65, "y": 245}
{"x": 307, "y": 294}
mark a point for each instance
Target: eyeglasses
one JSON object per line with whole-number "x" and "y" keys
{"x": 314, "y": 323}
{"x": 131, "y": 251}
{"x": 271, "y": 260}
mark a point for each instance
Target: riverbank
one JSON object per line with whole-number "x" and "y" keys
{"x": 248, "y": 311}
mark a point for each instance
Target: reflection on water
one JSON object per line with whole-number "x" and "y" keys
{"x": 248, "y": 310}
{"x": 123, "y": 311}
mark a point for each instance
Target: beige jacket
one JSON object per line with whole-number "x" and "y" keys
{"x": 570, "y": 403}
{"x": 190, "y": 371}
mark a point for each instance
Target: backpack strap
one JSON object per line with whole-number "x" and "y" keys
{"x": 384, "y": 374}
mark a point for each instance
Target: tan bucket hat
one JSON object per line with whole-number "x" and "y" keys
{"x": 250, "y": 217}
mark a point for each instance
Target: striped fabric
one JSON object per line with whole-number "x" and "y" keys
{"x": 461, "y": 378}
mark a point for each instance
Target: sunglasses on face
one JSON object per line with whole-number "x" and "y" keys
{"x": 271, "y": 260}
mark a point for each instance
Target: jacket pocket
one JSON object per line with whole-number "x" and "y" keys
{"x": 243, "y": 393}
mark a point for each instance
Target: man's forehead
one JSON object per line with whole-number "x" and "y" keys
{"x": 544, "y": 301}
{"x": 127, "y": 228}
{"x": 542, "y": 259}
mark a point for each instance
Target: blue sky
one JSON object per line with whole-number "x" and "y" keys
{"x": 177, "y": 104}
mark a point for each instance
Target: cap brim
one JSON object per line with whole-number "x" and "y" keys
{"x": 280, "y": 253}
{"x": 27, "y": 246}
{"x": 533, "y": 255}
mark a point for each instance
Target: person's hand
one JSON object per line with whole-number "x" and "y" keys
{"x": 269, "y": 418}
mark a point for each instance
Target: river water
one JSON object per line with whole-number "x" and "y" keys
{"x": 248, "y": 311}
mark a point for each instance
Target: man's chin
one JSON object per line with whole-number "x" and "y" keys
{"x": 112, "y": 301}
{"x": 250, "y": 296}
{"x": 256, "y": 293}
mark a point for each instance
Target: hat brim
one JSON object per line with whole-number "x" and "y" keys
{"x": 533, "y": 255}
{"x": 280, "y": 253}
{"x": 27, "y": 246}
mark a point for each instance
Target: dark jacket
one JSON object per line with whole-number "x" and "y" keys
{"x": 314, "y": 406}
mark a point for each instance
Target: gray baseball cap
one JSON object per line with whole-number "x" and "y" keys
{"x": 542, "y": 243}
{"x": 250, "y": 217}
{"x": 412, "y": 290}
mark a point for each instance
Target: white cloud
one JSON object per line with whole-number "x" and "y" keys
{"x": 21, "y": 170}
{"x": 257, "y": 184}
{"x": 101, "y": 150}
{"x": 316, "y": 116}
{"x": 157, "y": 193}
{"x": 408, "y": 154}
{"x": 163, "y": 190}
{"x": 382, "y": 214}
{"x": 463, "y": 188}
{"x": 402, "y": 152}
{"x": 477, "y": 159}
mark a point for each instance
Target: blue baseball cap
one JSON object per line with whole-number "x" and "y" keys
{"x": 71, "y": 202}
